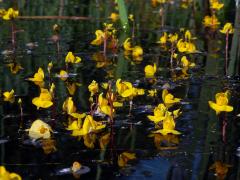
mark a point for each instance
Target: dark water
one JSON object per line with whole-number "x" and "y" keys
{"x": 194, "y": 151}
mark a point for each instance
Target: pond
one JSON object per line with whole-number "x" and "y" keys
{"x": 108, "y": 110}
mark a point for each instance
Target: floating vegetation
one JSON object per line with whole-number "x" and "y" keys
{"x": 131, "y": 89}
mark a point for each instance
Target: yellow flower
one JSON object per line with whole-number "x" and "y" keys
{"x": 68, "y": 106}
{"x": 20, "y": 101}
{"x": 152, "y": 92}
{"x": 114, "y": 17}
{"x": 100, "y": 35}
{"x": 131, "y": 17}
{"x": 44, "y": 100}
{"x": 39, "y": 129}
{"x": 163, "y": 39}
{"x": 38, "y": 78}
{"x": 150, "y": 70}
{"x": 10, "y": 14}
{"x": 75, "y": 125}
{"x": 104, "y": 85}
{"x": 50, "y": 65}
{"x": 124, "y": 157}
{"x": 71, "y": 87}
{"x": 154, "y": 3}
{"x": 124, "y": 88}
{"x": 159, "y": 114}
{"x": 127, "y": 45}
{"x": 173, "y": 38}
{"x": 188, "y": 36}
{"x": 184, "y": 46}
{"x": 70, "y": 58}
{"x": 5, "y": 175}
{"x": 76, "y": 167}
{"x": 56, "y": 28}
{"x": 14, "y": 67}
{"x": 63, "y": 75}
{"x": 227, "y": 29}
{"x": 186, "y": 3}
{"x": 185, "y": 62}
{"x": 93, "y": 87}
{"x": 214, "y": 4}
{"x": 137, "y": 51}
{"x": 221, "y": 103}
{"x": 103, "y": 105}
{"x": 169, "y": 99}
{"x": 211, "y": 22}
{"x": 52, "y": 88}
{"x": 9, "y": 96}
{"x": 2, "y": 12}
{"x": 168, "y": 126}
{"x": 89, "y": 126}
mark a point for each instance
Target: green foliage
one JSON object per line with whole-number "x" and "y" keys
{"x": 123, "y": 14}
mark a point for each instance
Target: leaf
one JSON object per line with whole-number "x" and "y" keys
{"x": 123, "y": 14}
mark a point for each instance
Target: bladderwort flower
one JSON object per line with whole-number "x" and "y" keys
{"x": 221, "y": 103}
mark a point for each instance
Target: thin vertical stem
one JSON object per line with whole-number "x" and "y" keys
{"x": 13, "y": 35}
{"x": 105, "y": 44}
{"x": 58, "y": 50}
{"x": 224, "y": 128}
{"x": 133, "y": 30}
{"x": 226, "y": 53}
{"x": 61, "y": 8}
{"x": 21, "y": 116}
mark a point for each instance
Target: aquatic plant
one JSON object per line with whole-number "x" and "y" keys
{"x": 221, "y": 103}
{"x": 39, "y": 129}
{"x": 5, "y": 175}
{"x": 9, "y": 96}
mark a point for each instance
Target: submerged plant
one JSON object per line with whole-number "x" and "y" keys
{"x": 221, "y": 169}
{"x": 124, "y": 158}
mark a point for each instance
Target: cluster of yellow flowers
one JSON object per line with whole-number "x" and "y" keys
{"x": 136, "y": 52}
{"x": 181, "y": 46}
{"x": 105, "y": 98}
{"x": 164, "y": 120}
{"x": 107, "y": 36}
{"x": 164, "y": 117}
{"x": 9, "y": 14}
{"x": 212, "y": 21}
